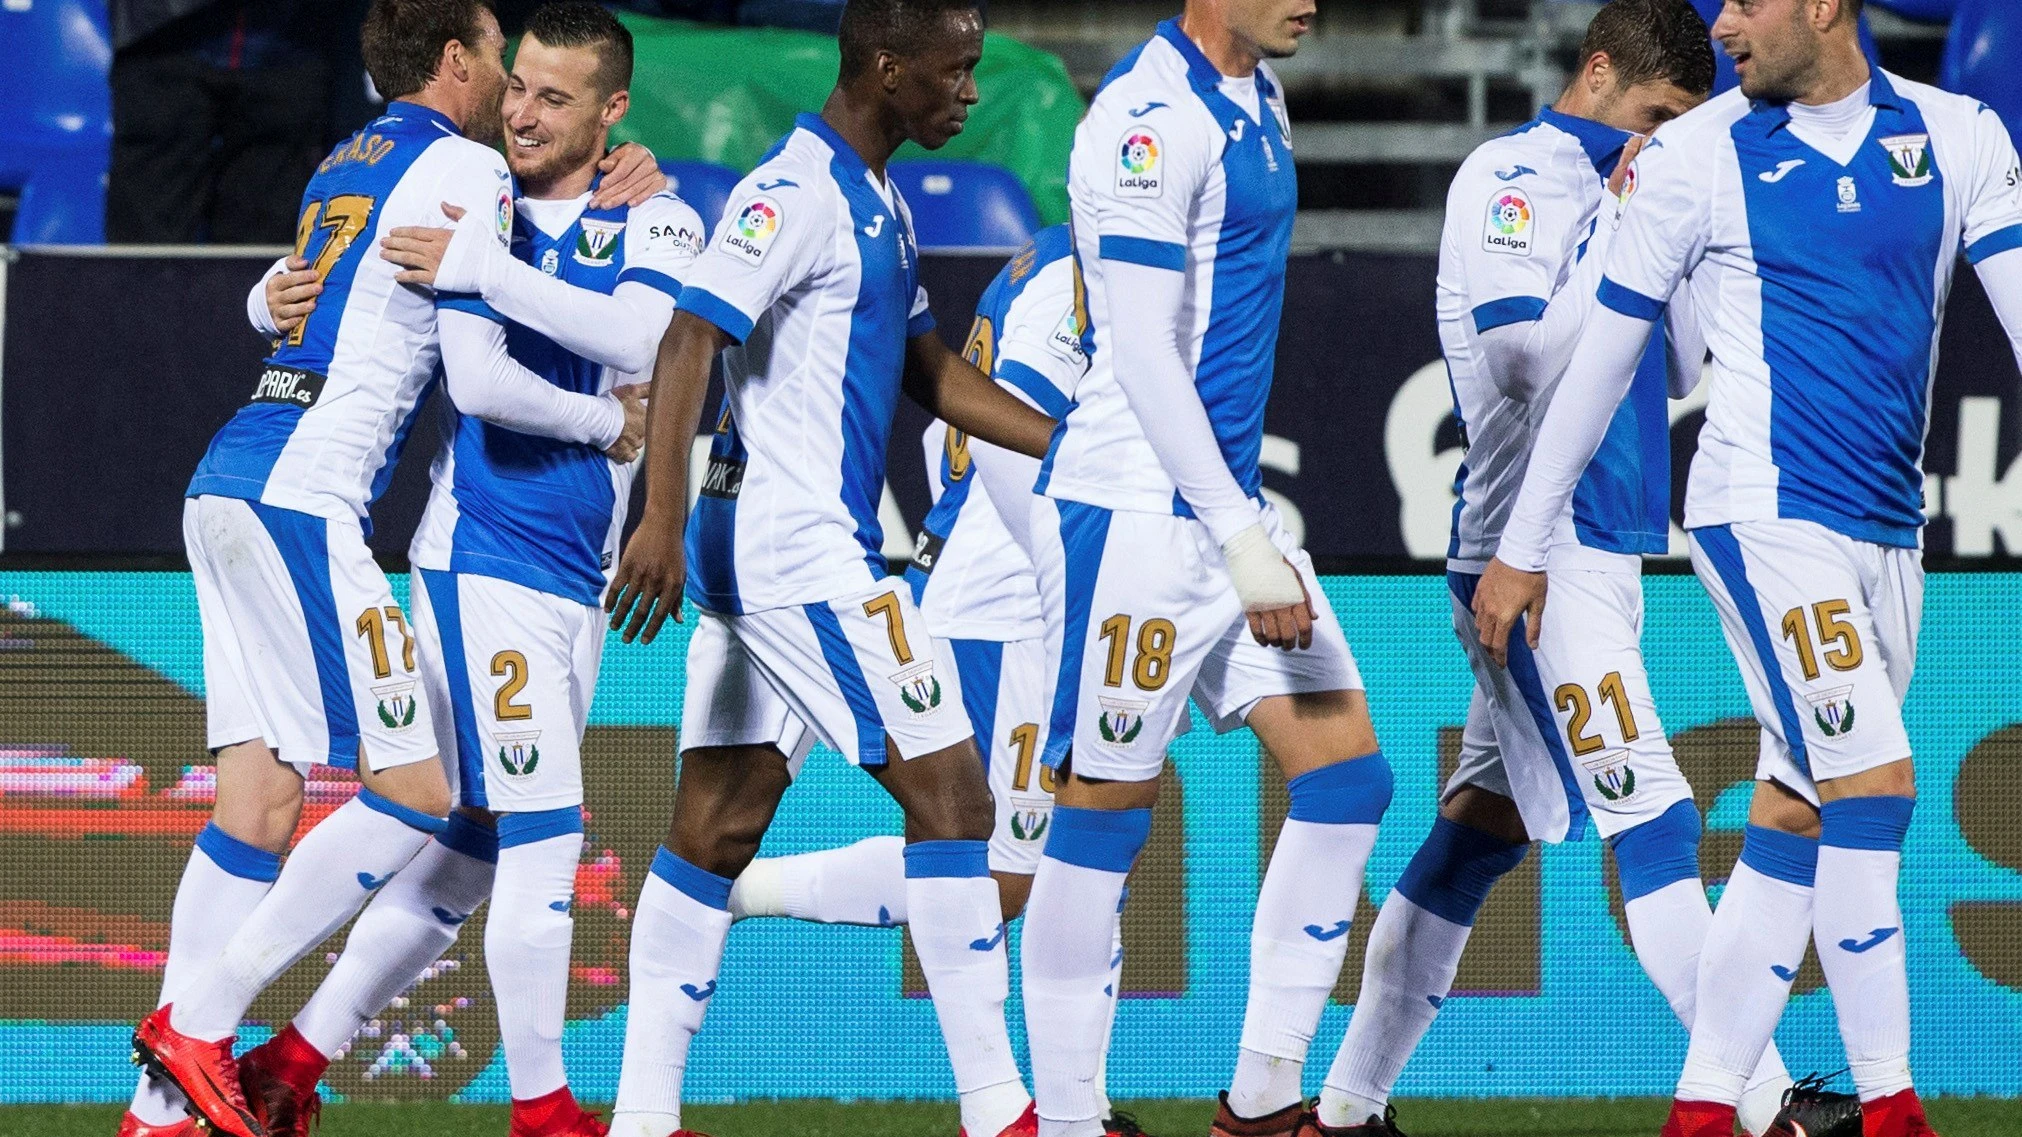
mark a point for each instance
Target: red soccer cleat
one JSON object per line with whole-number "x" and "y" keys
{"x": 557, "y": 1115}
{"x": 1027, "y": 1124}
{"x": 203, "y": 1071}
{"x": 1699, "y": 1119}
{"x": 131, "y": 1126}
{"x": 1897, "y": 1115}
{"x": 279, "y": 1079}
{"x": 1292, "y": 1121}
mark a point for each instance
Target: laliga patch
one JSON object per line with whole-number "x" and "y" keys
{"x": 1138, "y": 169}
{"x": 597, "y": 242}
{"x": 1909, "y": 159}
{"x": 1509, "y": 224}
{"x": 1065, "y": 341}
{"x": 752, "y": 229}
{"x": 505, "y": 216}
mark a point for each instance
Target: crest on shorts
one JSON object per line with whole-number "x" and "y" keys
{"x": 397, "y": 705}
{"x": 1909, "y": 158}
{"x": 1612, "y": 774}
{"x": 1030, "y": 818}
{"x": 919, "y": 689}
{"x": 1121, "y": 722}
{"x": 1832, "y": 710}
{"x": 519, "y": 754}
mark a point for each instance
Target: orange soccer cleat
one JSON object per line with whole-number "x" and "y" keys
{"x": 1027, "y": 1125}
{"x": 279, "y": 1079}
{"x": 1294, "y": 1120}
{"x": 131, "y": 1126}
{"x": 203, "y": 1071}
{"x": 1699, "y": 1119}
{"x": 557, "y": 1115}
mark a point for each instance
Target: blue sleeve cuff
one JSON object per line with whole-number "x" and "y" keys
{"x": 1035, "y": 386}
{"x": 469, "y": 302}
{"x": 1629, "y": 302}
{"x": 716, "y": 310}
{"x": 659, "y": 280}
{"x": 1139, "y": 251}
{"x": 920, "y": 325}
{"x": 1509, "y": 310}
{"x": 1999, "y": 241}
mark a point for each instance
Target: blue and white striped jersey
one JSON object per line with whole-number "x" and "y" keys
{"x": 1169, "y": 171}
{"x": 815, "y": 275}
{"x": 971, "y": 578}
{"x": 1520, "y": 216}
{"x": 1820, "y": 269}
{"x": 335, "y": 400}
{"x": 538, "y": 511}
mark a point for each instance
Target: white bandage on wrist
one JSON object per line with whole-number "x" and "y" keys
{"x": 1262, "y": 576}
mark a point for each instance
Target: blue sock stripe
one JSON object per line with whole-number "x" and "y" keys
{"x": 515, "y": 829}
{"x": 1780, "y": 856}
{"x": 1355, "y": 792}
{"x": 1104, "y": 839}
{"x": 1878, "y": 823}
{"x": 700, "y": 885}
{"x": 413, "y": 818}
{"x": 462, "y": 835}
{"x": 1451, "y": 873}
{"x": 248, "y": 862}
{"x": 947, "y": 859}
{"x": 1658, "y": 853}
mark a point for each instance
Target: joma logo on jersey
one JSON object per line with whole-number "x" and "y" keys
{"x": 1612, "y": 774}
{"x": 397, "y": 705}
{"x": 290, "y": 385}
{"x": 1833, "y": 711}
{"x": 919, "y": 689}
{"x": 518, "y": 754}
{"x": 724, "y": 478}
{"x": 598, "y": 242}
{"x": 1909, "y": 159}
{"x": 1121, "y": 722}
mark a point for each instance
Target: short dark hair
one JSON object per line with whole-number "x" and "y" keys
{"x": 579, "y": 23}
{"x": 901, "y": 26}
{"x": 1653, "y": 39}
{"x": 403, "y": 40}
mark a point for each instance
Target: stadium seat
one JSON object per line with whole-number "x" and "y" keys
{"x": 56, "y": 118}
{"x": 704, "y": 185}
{"x": 966, "y": 205}
{"x": 1981, "y": 57}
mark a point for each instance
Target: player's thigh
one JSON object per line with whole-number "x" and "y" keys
{"x": 509, "y": 654}
{"x": 1590, "y": 665}
{"x": 1896, "y": 604}
{"x": 1795, "y": 608}
{"x": 231, "y": 703}
{"x": 1005, "y": 687}
{"x": 1145, "y": 603}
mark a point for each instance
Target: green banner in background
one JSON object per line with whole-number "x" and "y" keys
{"x": 724, "y": 95}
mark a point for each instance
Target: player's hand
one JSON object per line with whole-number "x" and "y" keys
{"x": 419, "y": 249}
{"x": 1620, "y": 177}
{"x": 647, "y": 587}
{"x": 291, "y": 295}
{"x": 631, "y": 175}
{"x": 1273, "y": 593}
{"x": 1284, "y": 628}
{"x": 632, "y": 397}
{"x": 1504, "y": 596}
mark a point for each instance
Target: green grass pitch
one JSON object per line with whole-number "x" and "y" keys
{"x": 1518, "y": 1117}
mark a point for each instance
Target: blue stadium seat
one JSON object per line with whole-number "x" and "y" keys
{"x": 704, "y": 185}
{"x": 965, "y": 205}
{"x": 1981, "y": 58}
{"x": 56, "y": 118}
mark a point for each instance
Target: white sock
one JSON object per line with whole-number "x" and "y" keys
{"x": 1070, "y": 933}
{"x": 1858, "y": 926}
{"x": 1300, "y": 934}
{"x": 526, "y": 943}
{"x": 1114, "y": 990}
{"x": 221, "y": 885}
{"x": 407, "y": 925}
{"x": 677, "y": 950}
{"x": 958, "y": 934}
{"x": 1408, "y": 968}
{"x": 1751, "y": 954}
{"x": 864, "y": 883}
{"x": 331, "y": 874}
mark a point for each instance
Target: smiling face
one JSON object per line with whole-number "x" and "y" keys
{"x": 1776, "y": 45}
{"x": 932, "y": 89}
{"x": 557, "y": 117}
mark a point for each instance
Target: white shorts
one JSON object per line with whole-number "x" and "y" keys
{"x": 1006, "y": 688}
{"x": 304, "y": 646}
{"x": 1569, "y": 731}
{"x": 1141, "y": 614}
{"x": 511, "y": 671}
{"x": 1825, "y": 630}
{"x": 857, "y": 670}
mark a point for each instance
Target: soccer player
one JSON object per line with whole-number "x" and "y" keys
{"x": 812, "y": 283}
{"x": 1165, "y": 573}
{"x": 977, "y": 592}
{"x": 512, "y": 553}
{"x": 1527, "y": 220}
{"x": 1819, "y": 212}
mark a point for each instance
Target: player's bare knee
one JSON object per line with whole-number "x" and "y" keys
{"x": 1307, "y": 731}
{"x": 723, "y": 803}
{"x": 419, "y": 786}
{"x": 1486, "y": 812}
{"x": 259, "y": 798}
{"x": 1897, "y": 779}
{"x": 1778, "y": 807}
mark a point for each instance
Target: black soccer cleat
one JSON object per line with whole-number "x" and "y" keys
{"x": 1385, "y": 1126}
{"x": 1811, "y": 1110}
